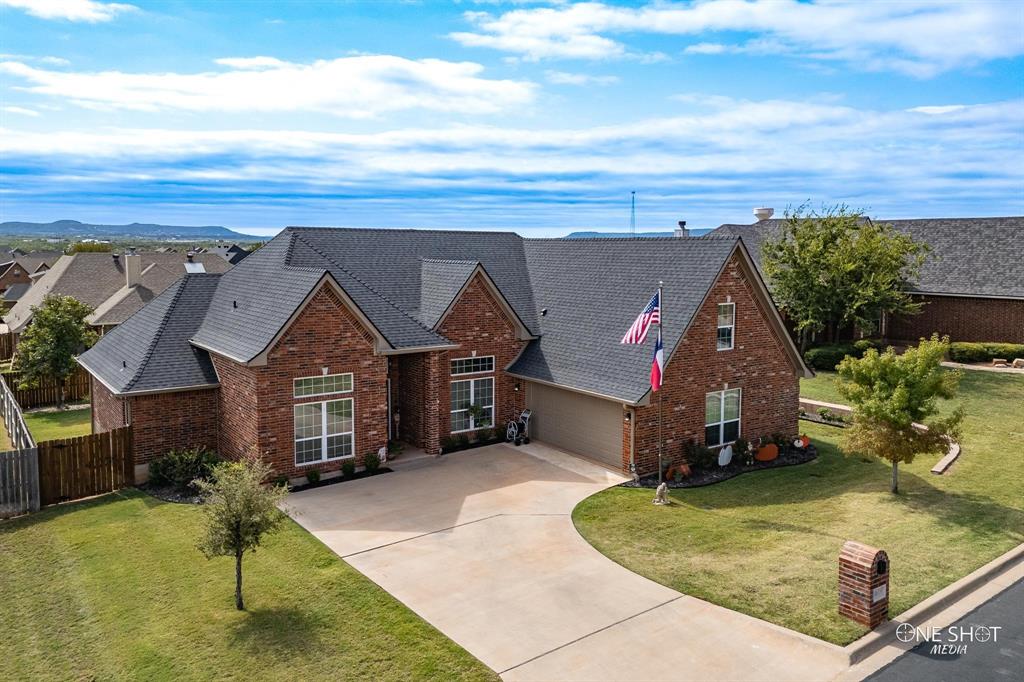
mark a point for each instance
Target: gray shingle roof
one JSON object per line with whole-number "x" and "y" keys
{"x": 440, "y": 283}
{"x": 969, "y": 257}
{"x": 16, "y": 291}
{"x": 403, "y": 280}
{"x": 593, "y": 289}
{"x": 150, "y": 351}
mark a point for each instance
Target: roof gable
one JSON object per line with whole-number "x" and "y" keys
{"x": 440, "y": 282}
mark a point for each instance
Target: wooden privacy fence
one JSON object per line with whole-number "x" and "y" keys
{"x": 19, "y": 468}
{"x": 7, "y": 343}
{"x": 72, "y": 468}
{"x": 48, "y": 392}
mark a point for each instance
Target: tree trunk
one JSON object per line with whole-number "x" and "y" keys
{"x": 60, "y": 395}
{"x": 895, "y": 487}
{"x": 238, "y": 581}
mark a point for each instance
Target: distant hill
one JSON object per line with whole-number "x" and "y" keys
{"x": 70, "y": 229}
{"x": 625, "y": 235}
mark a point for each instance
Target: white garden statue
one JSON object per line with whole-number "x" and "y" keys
{"x": 661, "y": 494}
{"x": 725, "y": 456}
{"x": 383, "y": 454}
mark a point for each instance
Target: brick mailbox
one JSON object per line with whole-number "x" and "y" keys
{"x": 863, "y": 583}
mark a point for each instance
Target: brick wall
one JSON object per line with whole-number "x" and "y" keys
{"x": 257, "y": 402}
{"x": 758, "y": 364}
{"x": 411, "y": 383}
{"x": 963, "y": 319}
{"x": 107, "y": 409}
{"x": 168, "y": 421}
{"x": 479, "y": 323}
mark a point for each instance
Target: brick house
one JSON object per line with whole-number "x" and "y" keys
{"x": 971, "y": 285}
{"x": 327, "y": 343}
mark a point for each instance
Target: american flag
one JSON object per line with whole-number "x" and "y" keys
{"x": 650, "y": 315}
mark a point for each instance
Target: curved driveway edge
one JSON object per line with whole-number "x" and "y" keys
{"x": 481, "y": 544}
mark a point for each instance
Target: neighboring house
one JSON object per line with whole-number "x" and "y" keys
{"x": 21, "y": 268}
{"x": 13, "y": 293}
{"x": 115, "y": 285}
{"x": 326, "y": 343}
{"x": 972, "y": 284}
{"x": 231, "y": 253}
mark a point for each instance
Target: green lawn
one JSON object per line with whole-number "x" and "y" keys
{"x": 114, "y": 588}
{"x": 64, "y": 424}
{"x": 766, "y": 543}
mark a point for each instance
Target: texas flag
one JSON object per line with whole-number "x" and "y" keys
{"x": 658, "y": 366}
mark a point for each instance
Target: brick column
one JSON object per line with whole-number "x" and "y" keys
{"x": 432, "y": 404}
{"x": 863, "y": 584}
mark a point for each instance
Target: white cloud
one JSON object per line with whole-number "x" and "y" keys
{"x": 565, "y": 78}
{"x": 355, "y": 87}
{"x": 917, "y": 37}
{"x": 938, "y": 110}
{"x": 21, "y": 111}
{"x": 71, "y": 10}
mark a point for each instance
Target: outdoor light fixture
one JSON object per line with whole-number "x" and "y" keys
{"x": 516, "y": 387}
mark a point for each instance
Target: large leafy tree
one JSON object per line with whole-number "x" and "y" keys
{"x": 47, "y": 349}
{"x": 891, "y": 393}
{"x": 239, "y": 510}
{"x": 835, "y": 268}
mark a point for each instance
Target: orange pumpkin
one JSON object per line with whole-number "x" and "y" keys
{"x": 805, "y": 440}
{"x": 767, "y": 453}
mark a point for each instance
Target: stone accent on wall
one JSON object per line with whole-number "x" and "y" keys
{"x": 962, "y": 319}
{"x": 758, "y": 364}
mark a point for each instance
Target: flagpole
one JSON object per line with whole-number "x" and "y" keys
{"x": 661, "y": 316}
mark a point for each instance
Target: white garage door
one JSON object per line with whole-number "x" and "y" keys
{"x": 575, "y": 422}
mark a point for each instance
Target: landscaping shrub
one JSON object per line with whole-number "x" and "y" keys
{"x": 828, "y": 356}
{"x": 371, "y": 462}
{"x": 179, "y": 468}
{"x": 281, "y": 481}
{"x": 448, "y": 443}
{"x": 741, "y": 449}
{"x": 700, "y": 457}
{"x": 461, "y": 441}
{"x": 962, "y": 351}
{"x": 348, "y": 468}
{"x": 313, "y": 476}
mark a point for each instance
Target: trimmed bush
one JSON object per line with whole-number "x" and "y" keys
{"x": 179, "y": 468}
{"x": 313, "y": 476}
{"x": 371, "y": 462}
{"x": 828, "y": 356}
{"x": 348, "y": 468}
{"x": 962, "y": 351}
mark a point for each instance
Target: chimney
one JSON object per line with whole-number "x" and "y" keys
{"x": 763, "y": 213}
{"x": 681, "y": 231}
{"x": 132, "y": 268}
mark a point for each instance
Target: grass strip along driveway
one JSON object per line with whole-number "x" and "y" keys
{"x": 113, "y": 588}
{"x": 767, "y": 543}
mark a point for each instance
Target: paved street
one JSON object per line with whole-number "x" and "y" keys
{"x": 1000, "y": 659}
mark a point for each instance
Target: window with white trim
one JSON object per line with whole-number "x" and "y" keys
{"x": 474, "y": 365}
{"x": 327, "y": 384}
{"x": 722, "y": 417}
{"x": 726, "y": 325}
{"x": 324, "y": 431}
{"x": 472, "y": 392}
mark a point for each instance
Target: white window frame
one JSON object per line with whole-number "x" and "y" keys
{"x": 323, "y": 432}
{"x": 730, "y": 327}
{"x": 351, "y": 382}
{"x": 722, "y": 421}
{"x": 472, "y": 357}
{"x": 472, "y": 397}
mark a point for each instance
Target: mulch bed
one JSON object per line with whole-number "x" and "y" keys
{"x": 170, "y": 494}
{"x": 699, "y": 478}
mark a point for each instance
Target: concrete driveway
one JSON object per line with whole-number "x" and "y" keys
{"x": 481, "y": 545}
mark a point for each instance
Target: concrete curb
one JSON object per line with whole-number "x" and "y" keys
{"x": 884, "y": 636}
{"x": 812, "y": 406}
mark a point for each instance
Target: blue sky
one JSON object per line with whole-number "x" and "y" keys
{"x": 537, "y": 117}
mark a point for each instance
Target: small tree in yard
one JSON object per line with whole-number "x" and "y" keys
{"x": 835, "y": 268}
{"x": 239, "y": 511}
{"x": 47, "y": 349}
{"x": 889, "y": 393}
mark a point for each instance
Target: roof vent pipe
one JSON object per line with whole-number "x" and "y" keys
{"x": 764, "y": 213}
